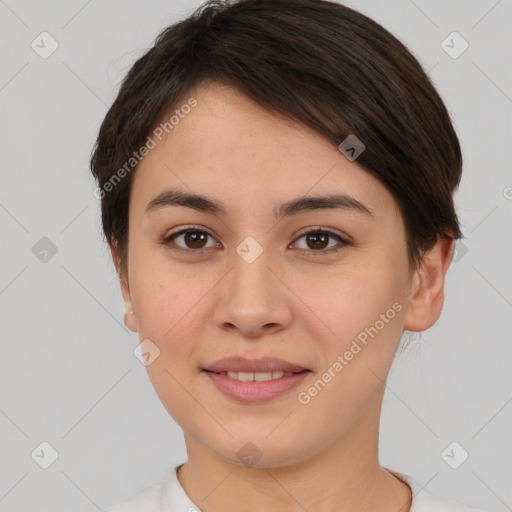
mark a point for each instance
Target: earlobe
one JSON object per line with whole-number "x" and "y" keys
{"x": 130, "y": 321}
{"x": 426, "y": 298}
{"x": 129, "y": 316}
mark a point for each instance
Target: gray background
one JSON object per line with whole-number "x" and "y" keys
{"x": 68, "y": 375}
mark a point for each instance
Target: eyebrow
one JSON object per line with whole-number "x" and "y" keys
{"x": 202, "y": 203}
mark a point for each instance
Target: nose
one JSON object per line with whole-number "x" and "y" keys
{"x": 251, "y": 300}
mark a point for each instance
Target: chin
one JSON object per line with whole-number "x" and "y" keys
{"x": 261, "y": 452}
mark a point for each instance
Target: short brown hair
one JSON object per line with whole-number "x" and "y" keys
{"x": 316, "y": 62}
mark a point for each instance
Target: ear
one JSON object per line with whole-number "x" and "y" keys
{"x": 427, "y": 287}
{"x": 130, "y": 319}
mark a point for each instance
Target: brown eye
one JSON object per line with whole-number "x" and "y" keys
{"x": 195, "y": 239}
{"x": 189, "y": 240}
{"x": 321, "y": 241}
{"x": 317, "y": 240}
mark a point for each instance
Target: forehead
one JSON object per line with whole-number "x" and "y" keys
{"x": 228, "y": 146}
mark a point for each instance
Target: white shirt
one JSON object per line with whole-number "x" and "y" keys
{"x": 169, "y": 496}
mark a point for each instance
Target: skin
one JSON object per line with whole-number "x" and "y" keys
{"x": 292, "y": 302}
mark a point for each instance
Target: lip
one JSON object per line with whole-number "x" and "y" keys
{"x": 241, "y": 364}
{"x": 252, "y": 392}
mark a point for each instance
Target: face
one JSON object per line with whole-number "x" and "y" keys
{"x": 237, "y": 274}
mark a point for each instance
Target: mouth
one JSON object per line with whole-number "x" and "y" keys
{"x": 256, "y": 376}
{"x": 264, "y": 368}
{"x": 253, "y": 381}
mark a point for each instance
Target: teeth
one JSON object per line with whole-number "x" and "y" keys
{"x": 257, "y": 376}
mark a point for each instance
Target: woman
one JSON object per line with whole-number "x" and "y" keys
{"x": 277, "y": 182}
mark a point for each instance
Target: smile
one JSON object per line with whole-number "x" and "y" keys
{"x": 258, "y": 376}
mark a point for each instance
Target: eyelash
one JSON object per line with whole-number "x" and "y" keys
{"x": 199, "y": 252}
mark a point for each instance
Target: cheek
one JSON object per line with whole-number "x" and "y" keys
{"x": 171, "y": 312}
{"x": 364, "y": 312}
{"x": 345, "y": 302}
{"x": 161, "y": 294}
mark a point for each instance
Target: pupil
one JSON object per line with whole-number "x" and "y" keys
{"x": 192, "y": 237}
{"x": 316, "y": 237}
